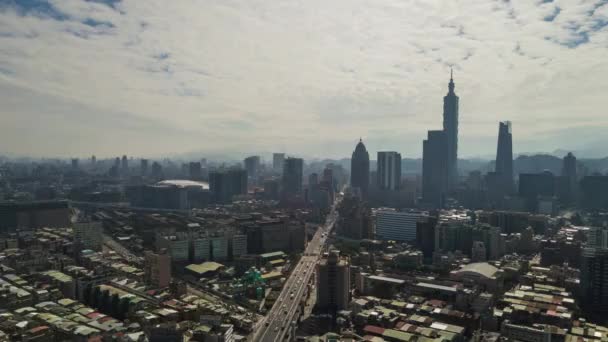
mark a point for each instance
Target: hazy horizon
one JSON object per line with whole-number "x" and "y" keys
{"x": 144, "y": 78}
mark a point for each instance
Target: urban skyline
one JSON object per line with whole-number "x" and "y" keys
{"x": 362, "y": 80}
{"x": 315, "y": 171}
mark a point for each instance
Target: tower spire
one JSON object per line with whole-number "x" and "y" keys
{"x": 451, "y": 84}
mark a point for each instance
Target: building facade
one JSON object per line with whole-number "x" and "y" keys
{"x": 504, "y": 157}
{"x": 333, "y": 283}
{"x": 158, "y": 268}
{"x": 88, "y": 235}
{"x": 224, "y": 184}
{"x": 395, "y": 225}
{"x": 435, "y": 169}
{"x": 389, "y": 170}
{"x": 278, "y": 159}
{"x": 450, "y": 127}
{"x": 594, "y": 279}
{"x": 292, "y": 176}
{"x": 359, "y": 168}
{"x": 252, "y": 166}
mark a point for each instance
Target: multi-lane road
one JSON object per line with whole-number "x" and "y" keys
{"x": 280, "y": 322}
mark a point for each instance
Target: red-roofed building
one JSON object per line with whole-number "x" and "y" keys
{"x": 374, "y": 330}
{"x": 39, "y": 333}
{"x": 94, "y": 315}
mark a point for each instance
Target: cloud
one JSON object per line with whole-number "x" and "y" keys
{"x": 307, "y": 77}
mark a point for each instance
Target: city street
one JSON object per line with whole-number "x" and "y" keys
{"x": 279, "y": 322}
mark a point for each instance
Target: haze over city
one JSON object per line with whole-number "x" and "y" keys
{"x": 105, "y": 77}
{"x": 303, "y": 171}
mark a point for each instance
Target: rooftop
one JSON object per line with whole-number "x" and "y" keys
{"x": 387, "y": 279}
{"x": 205, "y": 267}
{"x": 437, "y": 287}
{"x": 481, "y": 268}
{"x": 184, "y": 183}
{"x": 278, "y": 254}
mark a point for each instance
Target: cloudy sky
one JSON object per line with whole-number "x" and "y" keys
{"x": 308, "y": 77}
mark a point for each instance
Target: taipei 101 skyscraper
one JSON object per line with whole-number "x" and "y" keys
{"x": 450, "y": 127}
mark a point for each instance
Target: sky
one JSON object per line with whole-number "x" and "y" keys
{"x": 306, "y": 77}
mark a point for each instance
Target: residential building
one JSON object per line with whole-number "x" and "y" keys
{"x": 88, "y": 235}
{"x": 333, "y": 282}
{"x": 158, "y": 268}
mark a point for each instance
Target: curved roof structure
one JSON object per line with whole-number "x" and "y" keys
{"x": 360, "y": 150}
{"x": 482, "y": 269}
{"x": 184, "y": 183}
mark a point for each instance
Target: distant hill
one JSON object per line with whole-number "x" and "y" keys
{"x": 537, "y": 163}
{"x": 530, "y": 162}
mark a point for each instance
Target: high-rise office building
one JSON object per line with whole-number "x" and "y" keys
{"x": 224, "y": 184}
{"x": 143, "y": 167}
{"x": 569, "y": 166}
{"x": 425, "y": 235}
{"x": 318, "y": 194}
{"x": 328, "y": 182}
{"x": 533, "y": 186}
{"x": 292, "y": 176}
{"x": 359, "y": 168}
{"x": 124, "y": 165}
{"x": 597, "y": 237}
{"x": 434, "y": 169}
{"x": 504, "y": 157}
{"x": 594, "y": 279}
{"x": 333, "y": 282}
{"x": 278, "y": 159}
{"x": 569, "y": 183}
{"x": 328, "y": 175}
{"x": 195, "y": 171}
{"x": 594, "y": 192}
{"x": 396, "y": 225}
{"x": 355, "y": 218}
{"x": 478, "y": 251}
{"x": 313, "y": 179}
{"x": 252, "y": 165}
{"x": 158, "y": 268}
{"x": 389, "y": 171}
{"x": 115, "y": 170}
{"x": 271, "y": 189}
{"x": 157, "y": 170}
{"x": 75, "y": 164}
{"x": 88, "y": 235}
{"x": 450, "y": 127}
{"x": 93, "y": 161}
